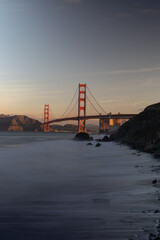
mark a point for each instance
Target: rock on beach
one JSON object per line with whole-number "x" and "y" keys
{"x": 83, "y": 136}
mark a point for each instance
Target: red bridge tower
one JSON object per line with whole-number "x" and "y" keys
{"x": 46, "y": 118}
{"x": 82, "y": 108}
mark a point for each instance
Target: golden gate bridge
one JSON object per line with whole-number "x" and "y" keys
{"x": 81, "y": 102}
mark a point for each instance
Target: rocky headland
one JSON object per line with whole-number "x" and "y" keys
{"x": 142, "y": 131}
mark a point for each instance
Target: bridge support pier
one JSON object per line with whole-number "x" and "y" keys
{"x": 106, "y": 124}
{"x": 82, "y": 108}
{"x": 118, "y": 122}
{"x": 103, "y": 125}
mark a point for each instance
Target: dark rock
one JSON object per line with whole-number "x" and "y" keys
{"x": 98, "y": 140}
{"x": 89, "y": 144}
{"x": 156, "y": 238}
{"x": 156, "y": 154}
{"x": 156, "y": 211}
{"x": 98, "y": 145}
{"x": 142, "y": 131}
{"x": 83, "y": 136}
{"x": 151, "y": 236}
{"x": 105, "y": 139}
{"x": 144, "y": 211}
{"x": 113, "y": 136}
{"x": 154, "y": 181}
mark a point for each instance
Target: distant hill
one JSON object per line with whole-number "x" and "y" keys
{"x": 19, "y": 123}
{"x": 24, "y": 123}
{"x": 72, "y": 128}
{"x": 3, "y": 115}
{"x": 65, "y": 128}
{"x": 92, "y": 128}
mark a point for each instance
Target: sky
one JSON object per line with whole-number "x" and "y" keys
{"x": 48, "y": 47}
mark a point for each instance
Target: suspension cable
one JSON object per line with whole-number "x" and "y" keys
{"x": 69, "y": 104}
{"x": 72, "y": 109}
{"x": 92, "y": 105}
{"x": 52, "y": 114}
{"x": 42, "y": 117}
{"x": 96, "y": 101}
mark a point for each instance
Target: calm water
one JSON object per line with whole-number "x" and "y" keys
{"x": 12, "y": 139}
{"x": 55, "y": 188}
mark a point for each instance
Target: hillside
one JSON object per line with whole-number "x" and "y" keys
{"x": 142, "y": 131}
{"x": 65, "y": 128}
{"x": 19, "y": 123}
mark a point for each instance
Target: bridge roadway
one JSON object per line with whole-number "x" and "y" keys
{"x": 108, "y": 116}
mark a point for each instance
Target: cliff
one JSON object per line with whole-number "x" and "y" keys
{"x": 142, "y": 131}
{"x": 19, "y": 123}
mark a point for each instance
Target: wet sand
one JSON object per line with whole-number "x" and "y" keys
{"x": 67, "y": 190}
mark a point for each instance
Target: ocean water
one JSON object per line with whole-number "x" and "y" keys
{"x": 55, "y": 188}
{"x": 13, "y": 139}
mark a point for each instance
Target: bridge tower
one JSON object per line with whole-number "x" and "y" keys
{"x": 82, "y": 108}
{"x": 46, "y": 117}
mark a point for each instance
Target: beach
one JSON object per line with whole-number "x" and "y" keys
{"x": 59, "y": 188}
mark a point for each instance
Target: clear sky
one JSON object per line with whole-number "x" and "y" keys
{"x": 47, "y": 47}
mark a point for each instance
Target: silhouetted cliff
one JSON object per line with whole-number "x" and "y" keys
{"x": 142, "y": 131}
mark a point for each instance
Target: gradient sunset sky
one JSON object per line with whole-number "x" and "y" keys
{"x": 48, "y": 47}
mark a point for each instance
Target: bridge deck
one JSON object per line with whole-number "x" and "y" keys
{"x": 111, "y": 116}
